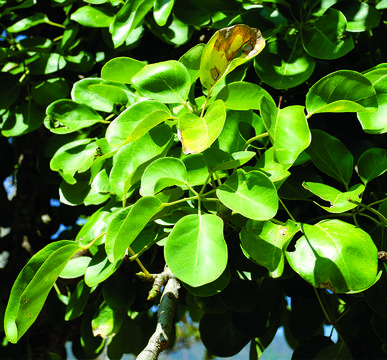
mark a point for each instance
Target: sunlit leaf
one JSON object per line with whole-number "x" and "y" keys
{"x": 198, "y": 133}
{"x": 339, "y": 201}
{"x": 195, "y": 250}
{"x": 251, "y": 194}
{"x": 335, "y": 255}
{"x": 341, "y": 91}
{"x": 136, "y": 121}
{"x": 167, "y": 82}
{"x": 32, "y": 286}
{"x": 127, "y": 224}
{"x": 227, "y": 49}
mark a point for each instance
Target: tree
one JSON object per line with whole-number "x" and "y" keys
{"x": 219, "y": 172}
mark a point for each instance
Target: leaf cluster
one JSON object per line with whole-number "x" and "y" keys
{"x": 252, "y": 165}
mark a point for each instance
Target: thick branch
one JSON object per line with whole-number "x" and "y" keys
{"x": 160, "y": 338}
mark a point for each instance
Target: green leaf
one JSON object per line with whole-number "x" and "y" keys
{"x": 360, "y": 16}
{"x": 66, "y": 116}
{"x": 163, "y": 173}
{"x": 196, "y": 168}
{"x": 217, "y": 159}
{"x": 335, "y": 255}
{"x": 91, "y": 16}
{"x": 220, "y": 335}
{"x": 128, "y": 18}
{"x": 32, "y": 286}
{"x": 242, "y": 95}
{"x": 74, "y": 157}
{"x": 227, "y": 49}
{"x": 28, "y": 22}
{"x": 339, "y": 201}
{"x": 121, "y": 69}
{"x": 48, "y": 64}
{"x": 127, "y": 224}
{"x": 341, "y": 91}
{"x": 284, "y": 67}
{"x": 191, "y": 61}
{"x": 77, "y": 301}
{"x": 251, "y": 194}
{"x": 265, "y": 243}
{"x": 371, "y": 164}
{"x": 24, "y": 119}
{"x": 167, "y": 82}
{"x": 326, "y": 38}
{"x": 10, "y": 89}
{"x": 49, "y": 90}
{"x": 136, "y": 121}
{"x": 375, "y": 122}
{"x": 132, "y": 159}
{"x": 100, "y": 268}
{"x": 106, "y": 322}
{"x": 331, "y": 156}
{"x": 195, "y": 250}
{"x": 211, "y": 288}
{"x": 288, "y": 129}
{"x": 119, "y": 292}
{"x": 198, "y": 133}
{"x": 101, "y": 95}
{"x": 75, "y": 267}
{"x": 161, "y": 11}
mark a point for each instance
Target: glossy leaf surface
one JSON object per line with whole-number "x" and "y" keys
{"x": 66, "y": 116}
{"x": 162, "y": 173}
{"x": 167, "y": 82}
{"x": 32, "y": 286}
{"x": 127, "y": 224}
{"x": 288, "y": 130}
{"x": 335, "y": 255}
{"x": 284, "y": 67}
{"x": 339, "y": 201}
{"x": 341, "y": 91}
{"x": 131, "y": 160}
{"x": 136, "y": 121}
{"x": 198, "y": 133}
{"x": 326, "y": 39}
{"x": 372, "y": 163}
{"x": 121, "y": 69}
{"x": 265, "y": 243}
{"x": 375, "y": 122}
{"x": 251, "y": 194}
{"x": 195, "y": 250}
{"x": 331, "y": 156}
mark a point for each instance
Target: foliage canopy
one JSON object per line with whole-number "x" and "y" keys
{"x": 248, "y": 168}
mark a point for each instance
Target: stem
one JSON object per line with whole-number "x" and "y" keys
{"x": 205, "y": 102}
{"x": 145, "y": 271}
{"x": 248, "y": 142}
{"x": 146, "y": 247}
{"x": 56, "y": 24}
{"x": 369, "y": 208}
{"x": 286, "y": 209}
{"x": 326, "y": 314}
{"x": 89, "y": 245}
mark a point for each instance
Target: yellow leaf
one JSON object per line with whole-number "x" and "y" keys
{"x": 227, "y": 49}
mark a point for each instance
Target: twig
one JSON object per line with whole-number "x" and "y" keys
{"x": 160, "y": 338}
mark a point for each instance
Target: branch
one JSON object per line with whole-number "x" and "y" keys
{"x": 160, "y": 338}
